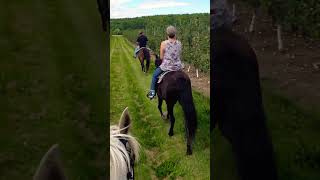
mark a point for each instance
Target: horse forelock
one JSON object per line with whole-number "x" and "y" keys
{"x": 119, "y": 157}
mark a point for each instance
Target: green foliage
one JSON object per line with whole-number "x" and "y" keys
{"x": 166, "y": 168}
{"x": 193, "y": 32}
{"x": 302, "y": 16}
{"x": 117, "y": 32}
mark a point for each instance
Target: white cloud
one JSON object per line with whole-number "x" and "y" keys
{"x": 161, "y": 4}
{"x": 126, "y": 12}
{"x": 118, "y": 3}
{"x": 119, "y": 8}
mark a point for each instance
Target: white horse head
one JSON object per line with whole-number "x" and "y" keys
{"x": 124, "y": 148}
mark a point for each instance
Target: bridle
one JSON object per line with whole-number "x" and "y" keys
{"x": 130, "y": 174}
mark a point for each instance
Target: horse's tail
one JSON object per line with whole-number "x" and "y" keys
{"x": 147, "y": 57}
{"x": 186, "y": 101}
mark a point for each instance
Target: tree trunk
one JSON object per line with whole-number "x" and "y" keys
{"x": 279, "y": 36}
{"x": 253, "y": 19}
{"x": 233, "y": 10}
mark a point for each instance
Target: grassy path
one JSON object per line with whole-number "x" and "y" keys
{"x": 162, "y": 156}
{"x": 52, "y": 87}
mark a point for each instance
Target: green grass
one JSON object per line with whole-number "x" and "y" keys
{"x": 295, "y": 134}
{"x": 52, "y": 87}
{"x": 162, "y": 156}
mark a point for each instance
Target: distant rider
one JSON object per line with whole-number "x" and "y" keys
{"x": 141, "y": 42}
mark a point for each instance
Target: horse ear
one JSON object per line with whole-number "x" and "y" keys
{"x": 125, "y": 121}
{"x": 50, "y": 167}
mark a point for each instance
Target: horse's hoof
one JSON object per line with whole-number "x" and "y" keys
{"x": 189, "y": 150}
{"x": 165, "y": 117}
{"x": 170, "y": 133}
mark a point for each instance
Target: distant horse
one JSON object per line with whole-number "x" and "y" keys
{"x": 176, "y": 86}
{"x": 124, "y": 151}
{"x": 144, "y": 54}
{"x": 237, "y": 105}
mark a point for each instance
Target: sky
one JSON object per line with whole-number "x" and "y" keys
{"x": 137, "y": 8}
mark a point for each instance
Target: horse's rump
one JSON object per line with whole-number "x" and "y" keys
{"x": 144, "y": 53}
{"x": 173, "y": 83}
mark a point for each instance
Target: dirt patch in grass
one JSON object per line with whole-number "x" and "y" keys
{"x": 294, "y": 72}
{"x": 200, "y": 83}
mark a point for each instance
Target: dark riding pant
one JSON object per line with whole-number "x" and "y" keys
{"x": 155, "y": 75}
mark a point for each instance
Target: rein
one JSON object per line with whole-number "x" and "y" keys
{"x": 130, "y": 174}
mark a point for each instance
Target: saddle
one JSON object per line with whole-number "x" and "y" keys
{"x": 161, "y": 76}
{"x": 138, "y": 50}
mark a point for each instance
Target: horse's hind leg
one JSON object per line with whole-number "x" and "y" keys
{"x": 189, "y": 145}
{"x": 148, "y": 63}
{"x": 142, "y": 66}
{"x": 170, "y": 106}
{"x": 160, "y": 100}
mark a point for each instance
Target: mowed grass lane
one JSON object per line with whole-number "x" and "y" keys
{"x": 162, "y": 156}
{"x": 52, "y": 87}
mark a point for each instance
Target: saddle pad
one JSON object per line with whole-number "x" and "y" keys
{"x": 142, "y": 48}
{"x": 161, "y": 76}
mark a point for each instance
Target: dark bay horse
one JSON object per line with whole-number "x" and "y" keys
{"x": 237, "y": 105}
{"x": 176, "y": 87}
{"x": 144, "y": 54}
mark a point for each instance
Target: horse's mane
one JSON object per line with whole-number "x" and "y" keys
{"x": 119, "y": 157}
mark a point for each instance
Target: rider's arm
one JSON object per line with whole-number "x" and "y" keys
{"x": 162, "y": 48}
